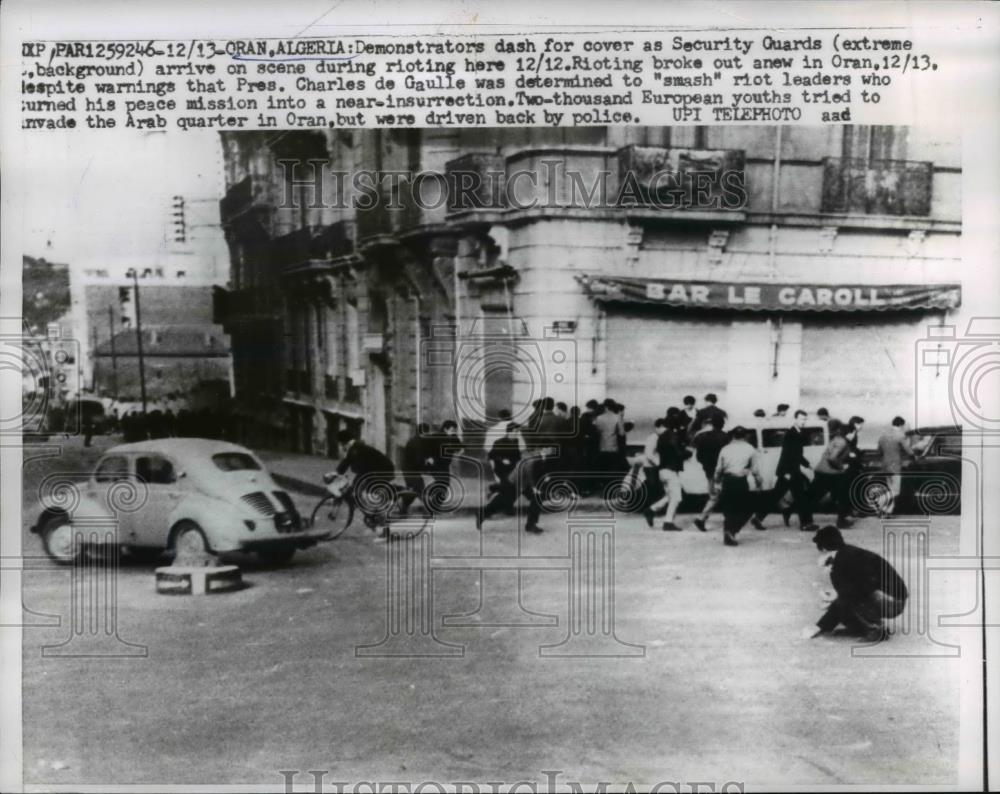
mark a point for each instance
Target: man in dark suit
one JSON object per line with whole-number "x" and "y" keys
{"x": 442, "y": 447}
{"x": 790, "y": 477}
{"x": 504, "y": 456}
{"x": 708, "y": 444}
{"x": 416, "y": 458}
{"x": 868, "y": 590}
{"x": 704, "y": 416}
{"x": 374, "y": 473}
{"x": 543, "y": 457}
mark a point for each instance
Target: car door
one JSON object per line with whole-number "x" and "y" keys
{"x": 767, "y": 442}
{"x": 113, "y": 468}
{"x": 152, "y": 521}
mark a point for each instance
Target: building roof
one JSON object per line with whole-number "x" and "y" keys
{"x": 194, "y": 340}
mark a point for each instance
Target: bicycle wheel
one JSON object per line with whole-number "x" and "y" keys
{"x": 333, "y": 514}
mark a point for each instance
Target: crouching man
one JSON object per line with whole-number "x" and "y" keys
{"x": 868, "y": 591}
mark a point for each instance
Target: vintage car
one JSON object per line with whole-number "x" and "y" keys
{"x": 931, "y": 480}
{"x": 190, "y": 496}
{"x": 766, "y": 435}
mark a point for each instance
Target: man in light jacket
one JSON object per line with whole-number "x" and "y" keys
{"x": 896, "y": 448}
{"x": 831, "y": 474}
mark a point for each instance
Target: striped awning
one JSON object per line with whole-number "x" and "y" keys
{"x": 771, "y": 297}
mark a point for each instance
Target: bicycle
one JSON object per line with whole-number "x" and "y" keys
{"x": 335, "y": 511}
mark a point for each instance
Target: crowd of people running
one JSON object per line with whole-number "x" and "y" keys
{"x": 589, "y": 449}
{"x": 575, "y": 445}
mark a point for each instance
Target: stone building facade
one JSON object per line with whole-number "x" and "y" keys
{"x": 578, "y": 273}
{"x": 185, "y": 365}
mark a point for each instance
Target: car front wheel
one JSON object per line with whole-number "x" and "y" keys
{"x": 57, "y": 538}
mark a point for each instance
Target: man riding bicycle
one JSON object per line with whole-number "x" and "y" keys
{"x": 374, "y": 490}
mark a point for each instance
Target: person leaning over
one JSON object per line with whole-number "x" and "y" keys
{"x": 867, "y": 590}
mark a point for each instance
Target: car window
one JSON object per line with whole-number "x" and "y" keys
{"x": 751, "y": 437}
{"x": 950, "y": 447}
{"x": 112, "y": 469}
{"x": 155, "y": 470}
{"x": 235, "y": 461}
{"x": 814, "y": 436}
{"x": 773, "y": 437}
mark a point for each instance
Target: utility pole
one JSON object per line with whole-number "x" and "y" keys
{"x": 111, "y": 339}
{"x": 138, "y": 338}
{"x": 93, "y": 357}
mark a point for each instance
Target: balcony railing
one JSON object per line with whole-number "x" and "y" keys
{"x": 682, "y": 179}
{"x": 877, "y": 187}
{"x": 312, "y": 244}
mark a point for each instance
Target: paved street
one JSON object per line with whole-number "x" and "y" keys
{"x": 236, "y": 687}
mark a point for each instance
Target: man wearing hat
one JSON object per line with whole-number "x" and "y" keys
{"x": 868, "y": 589}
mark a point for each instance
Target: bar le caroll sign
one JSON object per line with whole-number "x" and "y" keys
{"x": 773, "y": 297}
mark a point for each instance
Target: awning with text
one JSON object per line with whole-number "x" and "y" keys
{"x": 768, "y": 296}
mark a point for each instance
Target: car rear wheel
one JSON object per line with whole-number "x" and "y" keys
{"x": 57, "y": 538}
{"x": 190, "y": 542}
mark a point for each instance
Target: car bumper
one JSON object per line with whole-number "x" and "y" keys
{"x": 299, "y": 540}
